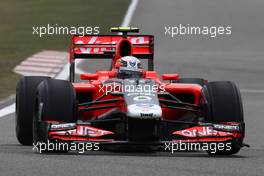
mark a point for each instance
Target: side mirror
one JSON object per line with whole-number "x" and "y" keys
{"x": 170, "y": 77}
{"x": 89, "y": 76}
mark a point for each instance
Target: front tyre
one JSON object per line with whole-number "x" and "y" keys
{"x": 56, "y": 102}
{"x": 224, "y": 104}
{"x": 25, "y": 100}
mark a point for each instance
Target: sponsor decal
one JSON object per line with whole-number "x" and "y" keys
{"x": 197, "y": 132}
{"x": 142, "y": 98}
{"x": 103, "y": 40}
{"x": 146, "y": 114}
{"x": 109, "y": 40}
{"x": 132, "y": 63}
{"x": 144, "y": 105}
{"x": 144, "y": 110}
{"x": 91, "y": 131}
{"x": 62, "y": 126}
{"x": 141, "y": 93}
{"x": 226, "y": 127}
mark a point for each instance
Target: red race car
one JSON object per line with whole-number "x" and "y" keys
{"x": 129, "y": 106}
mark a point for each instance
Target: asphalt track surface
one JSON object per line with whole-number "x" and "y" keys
{"x": 239, "y": 57}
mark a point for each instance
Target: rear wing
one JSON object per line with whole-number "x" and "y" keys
{"x": 112, "y": 47}
{"x": 100, "y": 46}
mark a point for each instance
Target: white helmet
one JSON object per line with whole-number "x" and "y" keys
{"x": 129, "y": 67}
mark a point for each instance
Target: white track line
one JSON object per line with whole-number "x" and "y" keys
{"x": 11, "y": 108}
{"x": 130, "y": 12}
{"x": 7, "y": 110}
{"x": 65, "y": 71}
{"x": 126, "y": 22}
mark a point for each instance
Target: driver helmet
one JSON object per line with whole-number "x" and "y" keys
{"x": 129, "y": 67}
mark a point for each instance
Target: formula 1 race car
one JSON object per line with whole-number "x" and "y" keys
{"x": 128, "y": 106}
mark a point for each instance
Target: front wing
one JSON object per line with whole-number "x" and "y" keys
{"x": 199, "y": 133}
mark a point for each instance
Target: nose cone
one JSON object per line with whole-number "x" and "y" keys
{"x": 143, "y": 110}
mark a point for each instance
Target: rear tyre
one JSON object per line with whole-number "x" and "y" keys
{"x": 224, "y": 105}
{"x": 56, "y": 101}
{"x": 199, "y": 81}
{"x": 25, "y": 100}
